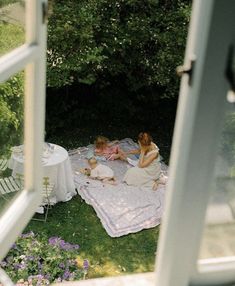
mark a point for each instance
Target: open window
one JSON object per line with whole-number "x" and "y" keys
{"x": 202, "y": 107}
{"x": 203, "y": 98}
{"x": 30, "y": 58}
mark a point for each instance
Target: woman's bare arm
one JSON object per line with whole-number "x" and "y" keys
{"x": 145, "y": 162}
{"x": 136, "y": 151}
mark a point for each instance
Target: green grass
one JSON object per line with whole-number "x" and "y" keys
{"x": 11, "y": 36}
{"x": 76, "y": 222}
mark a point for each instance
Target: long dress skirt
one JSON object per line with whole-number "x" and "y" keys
{"x": 145, "y": 177}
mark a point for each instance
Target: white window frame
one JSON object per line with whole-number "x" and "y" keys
{"x": 31, "y": 57}
{"x": 196, "y": 137}
{"x": 193, "y": 153}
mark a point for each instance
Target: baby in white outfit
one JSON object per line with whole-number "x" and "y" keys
{"x": 99, "y": 172}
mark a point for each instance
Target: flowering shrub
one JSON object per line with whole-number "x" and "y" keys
{"x": 34, "y": 260}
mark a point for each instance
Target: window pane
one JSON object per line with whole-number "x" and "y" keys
{"x": 12, "y": 25}
{"x": 219, "y": 233}
{"x": 11, "y": 135}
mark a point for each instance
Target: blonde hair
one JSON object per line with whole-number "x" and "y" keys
{"x": 92, "y": 161}
{"x": 101, "y": 142}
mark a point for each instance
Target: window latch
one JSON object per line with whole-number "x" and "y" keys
{"x": 230, "y": 73}
{"x": 181, "y": 70}
{"x": 44, "y": 12}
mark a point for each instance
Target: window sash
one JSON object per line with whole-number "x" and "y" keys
{"x": 196, "y": 137}
{"x": 32, "y": 56}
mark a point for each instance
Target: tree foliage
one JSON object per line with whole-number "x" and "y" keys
{"x": 11, "y": 92}
{"x": 137, "y": 42}
{"x": 11, "y": 110}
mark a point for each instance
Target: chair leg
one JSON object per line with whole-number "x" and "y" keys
{"x": 46, "y": 213}
{"x": 3, "y": 196}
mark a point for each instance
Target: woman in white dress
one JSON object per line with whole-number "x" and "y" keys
{"x": 148, "y": 170}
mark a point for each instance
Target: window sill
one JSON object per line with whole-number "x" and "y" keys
{"x": 143, "y": 279}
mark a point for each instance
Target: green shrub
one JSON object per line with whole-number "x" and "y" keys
{"x": 137, "y": 43}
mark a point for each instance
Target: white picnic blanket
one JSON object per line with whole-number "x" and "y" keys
{"x": 122, "y": 209}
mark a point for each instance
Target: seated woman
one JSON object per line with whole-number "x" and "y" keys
{"x": 148, "y": 170}
{"x": 109, "y": 150}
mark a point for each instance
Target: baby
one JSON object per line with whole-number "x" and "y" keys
{"x": 99, "y": 172}
{"x": 109, "y": 150}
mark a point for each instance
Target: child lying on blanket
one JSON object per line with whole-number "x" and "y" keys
{"x": 110, "y": 150}
{"x": 99, "y": 172}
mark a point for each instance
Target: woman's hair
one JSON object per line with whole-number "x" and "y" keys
{"x": 145, "y": 138}
{"x": 101, "y": 141}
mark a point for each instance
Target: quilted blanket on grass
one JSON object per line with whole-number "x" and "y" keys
{"x": 122, "y": 209}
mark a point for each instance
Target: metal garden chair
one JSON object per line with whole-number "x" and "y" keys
{"x": 46, "y": 194}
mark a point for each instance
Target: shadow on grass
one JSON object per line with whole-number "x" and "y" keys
{"x": 76, "y": 222}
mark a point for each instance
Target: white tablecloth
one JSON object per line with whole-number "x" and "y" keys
{"x": 56, "y": 166}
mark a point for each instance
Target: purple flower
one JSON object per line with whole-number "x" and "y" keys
{"x": 19, "y": 266}
{"x": 39, "y": 276}
{"x": 26, "y": 235}
{"x": 85, "y": 264}
{"x": 14, "y": 246}
{"x": 66, "y": 275}
{"x": 76, "y": 246}
{"x": 54, "y": 240}
{"x": 65, "y": 245}
{"x": 62, "y": 265}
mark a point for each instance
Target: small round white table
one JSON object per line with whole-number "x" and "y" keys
{"x": 56, "y": 166}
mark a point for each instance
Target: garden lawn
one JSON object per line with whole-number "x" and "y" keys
{"x": 76, "y": 222}
{"x": 11, "y": 36}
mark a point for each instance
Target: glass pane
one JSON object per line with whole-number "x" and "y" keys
{"x": 11, "y": 135}
{"x": 12, "y": 25}
{"x": 219, "y": 233}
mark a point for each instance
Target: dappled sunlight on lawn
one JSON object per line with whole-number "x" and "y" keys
{"x": 76, "y": 222}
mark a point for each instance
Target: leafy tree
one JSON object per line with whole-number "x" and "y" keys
{"x": 140, "y": 43}
{"x": 11, "y": 91}
{"x": 11, "y": 110}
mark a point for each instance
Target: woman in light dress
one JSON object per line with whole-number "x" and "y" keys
{"x": 148, "y": 170}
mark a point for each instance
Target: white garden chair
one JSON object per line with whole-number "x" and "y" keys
{"x": 9, "y": 185}
{"x": 3, "y": 164}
